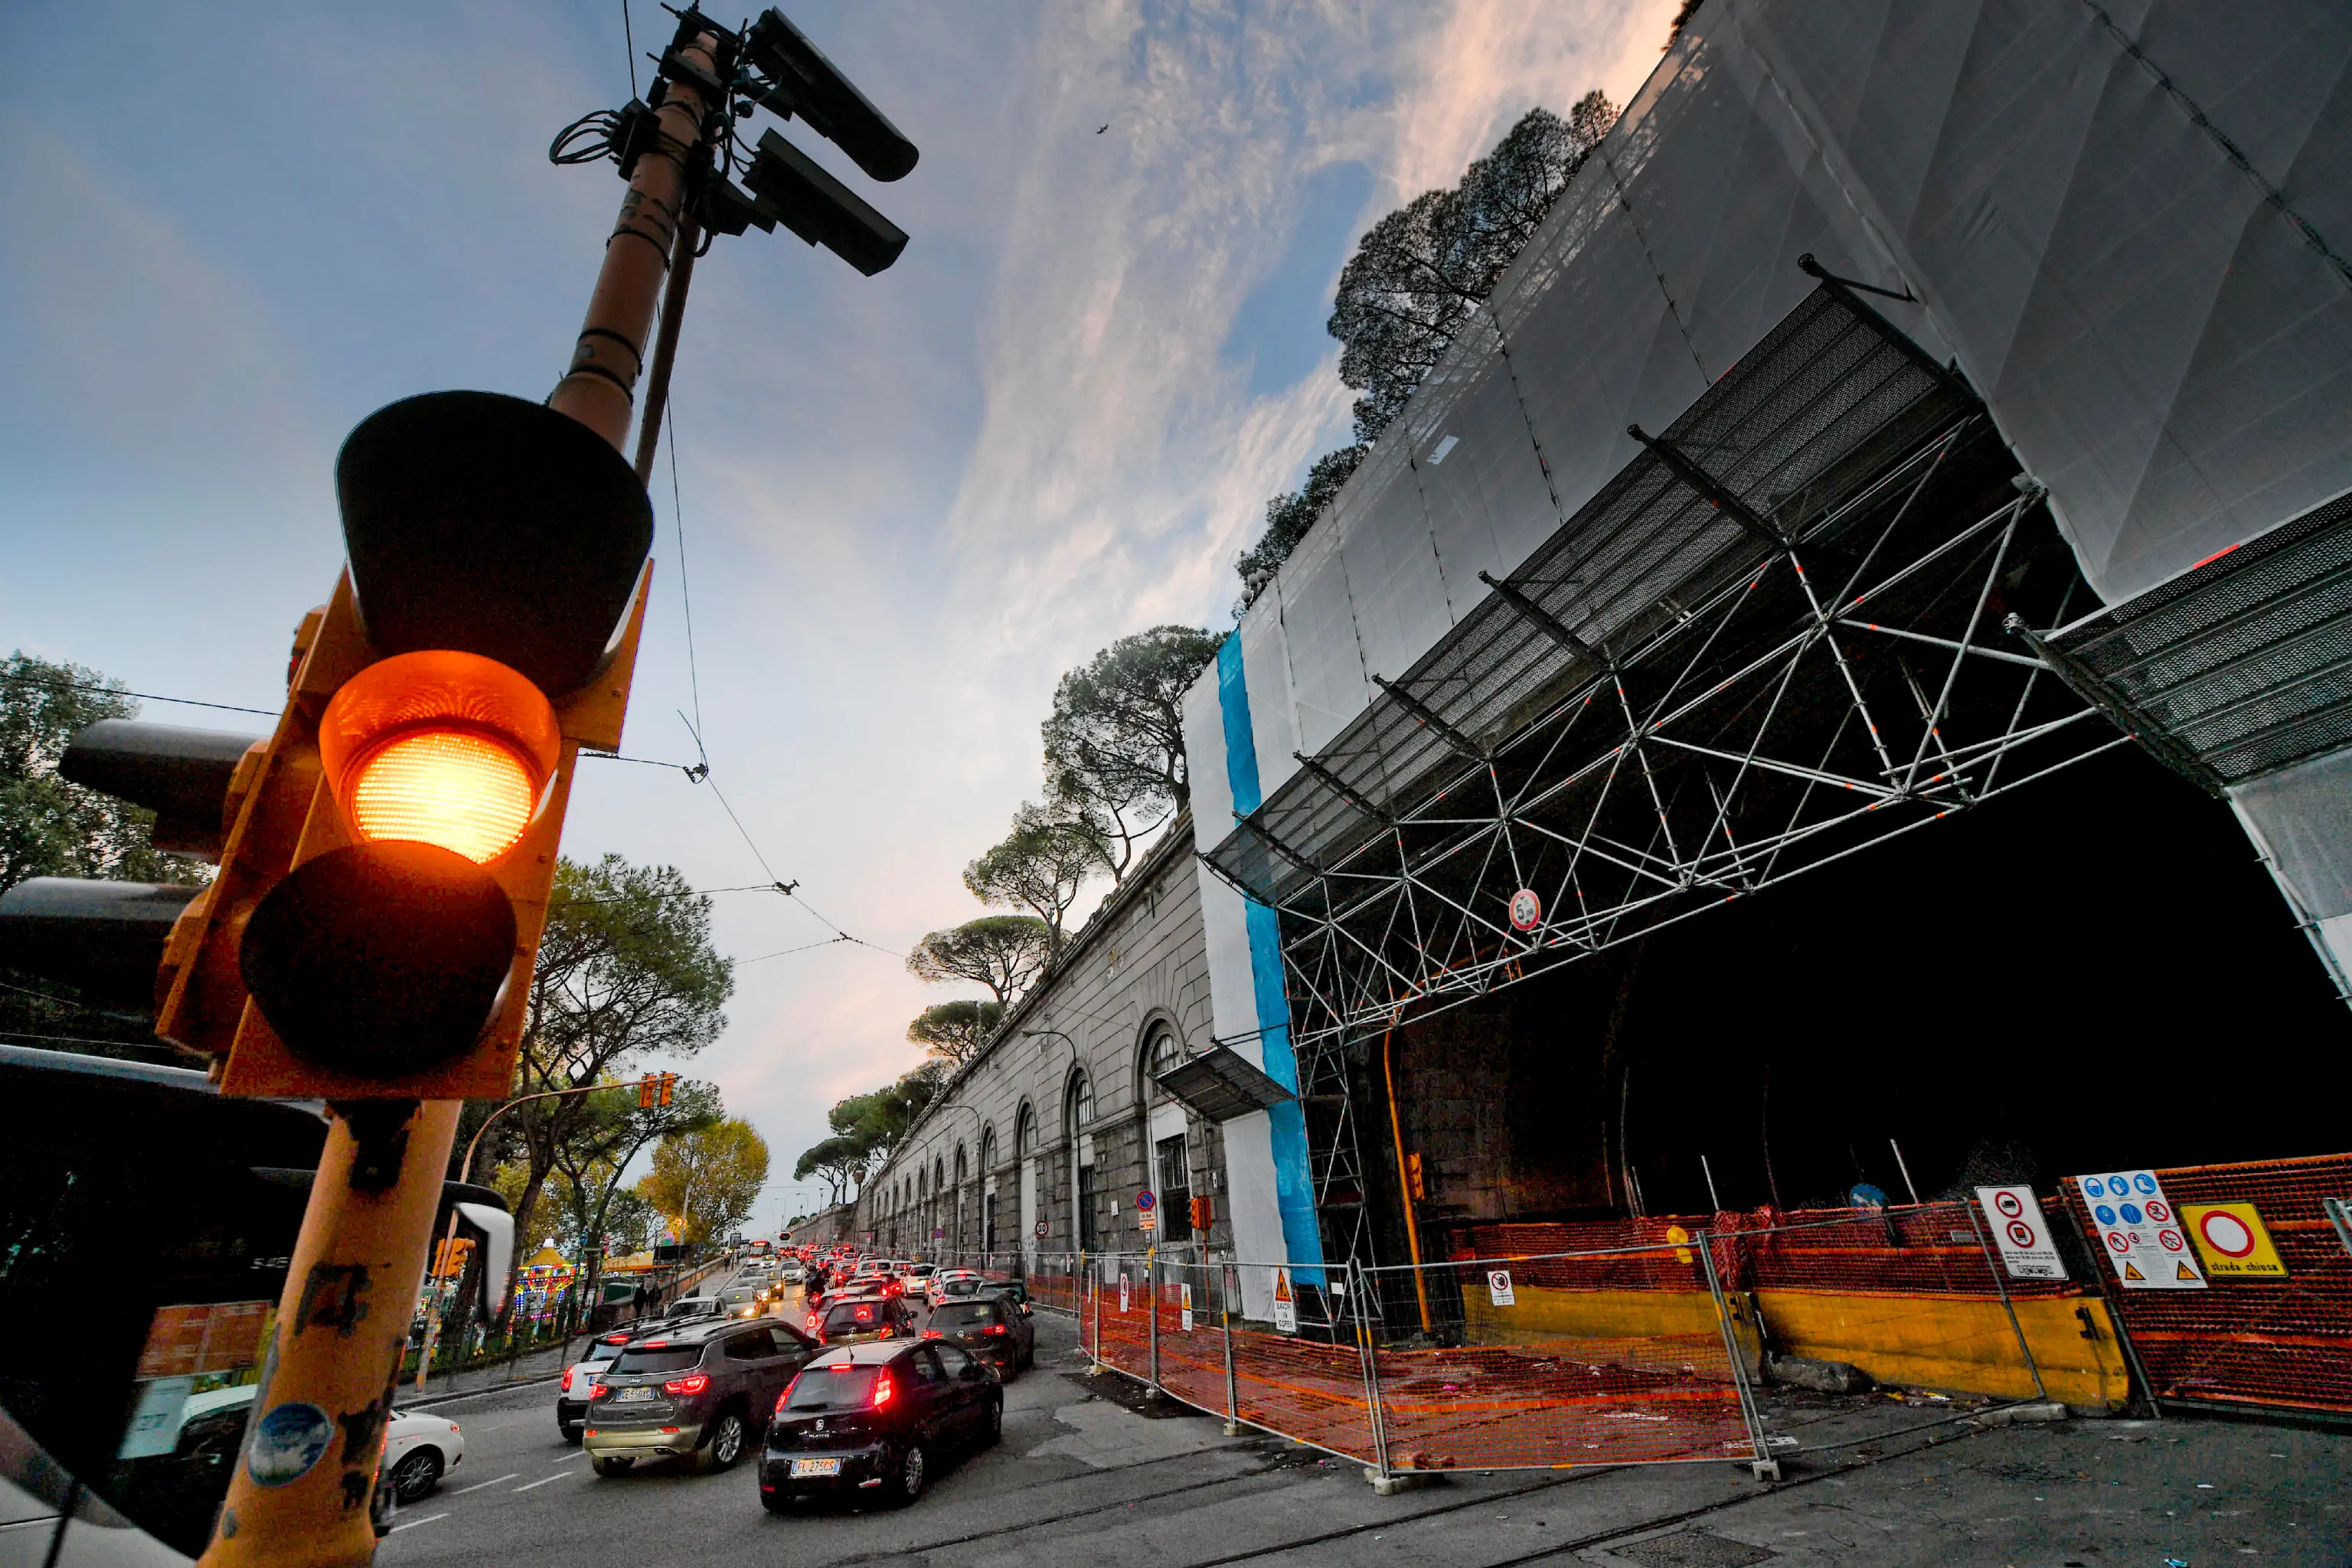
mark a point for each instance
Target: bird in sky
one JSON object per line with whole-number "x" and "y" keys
{"x": 1103, "y": 127}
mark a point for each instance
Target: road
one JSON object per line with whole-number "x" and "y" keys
{"x": 1088, "y": 1466}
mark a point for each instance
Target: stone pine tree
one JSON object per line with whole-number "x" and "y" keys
{"x": 1415, "y": 278}
{"x": 1115, "y": 739}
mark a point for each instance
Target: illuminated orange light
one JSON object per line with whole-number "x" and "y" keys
{"x": 461, "y": 790}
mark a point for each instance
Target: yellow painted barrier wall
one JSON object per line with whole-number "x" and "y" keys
{"x": 1956, "y": 1343}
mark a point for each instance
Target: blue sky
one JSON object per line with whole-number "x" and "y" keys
{"x": 909, "y": 502}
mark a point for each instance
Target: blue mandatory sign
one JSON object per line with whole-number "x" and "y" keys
{"x": 2093, "y": 1187}
{"x": 2104, "y": 1215}
{"x": 289, "y": 1440}
{"x": 2119, "y": 1186}
{"x": 2132, "y": 1215}
{"x": 2145, "y": 1183}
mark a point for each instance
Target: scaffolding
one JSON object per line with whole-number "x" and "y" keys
{"x": 1772, "y": 639}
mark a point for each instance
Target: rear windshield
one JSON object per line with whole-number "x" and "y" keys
{"x": 600, "y": 1352}
{"x": 966, "y": 1315}
{"x": 838, "y": 1387}
{"x": 962, "y": 1287}
{"x": 667, "y": 1359}
{"x": 849, "y": 1317}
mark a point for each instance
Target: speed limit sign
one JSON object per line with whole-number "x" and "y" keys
{"x": 1041, "y": 1230}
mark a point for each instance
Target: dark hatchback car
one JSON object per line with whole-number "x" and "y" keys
{"x": 990, "y": 1328}
{"x": 858, "y": 1318}
{"x": 702, "y": 1389}
{"x": 877, "y": 1418}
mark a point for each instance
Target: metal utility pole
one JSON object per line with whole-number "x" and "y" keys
{"x": 600, "y": 388}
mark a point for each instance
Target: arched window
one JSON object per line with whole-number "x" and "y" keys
{"x": 1161, "y": 1054}
{"x": 1077, "y": 1115}
{"x": 1025, "y": 1140}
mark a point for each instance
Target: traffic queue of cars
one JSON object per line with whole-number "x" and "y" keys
{"x": 892, "y": 1366}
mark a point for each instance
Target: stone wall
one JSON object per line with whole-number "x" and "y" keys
{"x": 1137, "y": 971}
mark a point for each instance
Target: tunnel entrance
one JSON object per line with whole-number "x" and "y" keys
{"x": 2094, "y": 974}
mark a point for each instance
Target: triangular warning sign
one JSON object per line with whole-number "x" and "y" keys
{"x": 2131, "y": 1271}
{"x": 1281, "y": 1286}
{"x": 2185, "y": 1272}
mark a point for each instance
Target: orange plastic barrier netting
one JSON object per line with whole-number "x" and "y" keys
{"x": 2253, "y": 1338}
{"x": 1583, "y": 1402}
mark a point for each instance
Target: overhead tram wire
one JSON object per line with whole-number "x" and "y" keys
{"x": 143, "y": 696}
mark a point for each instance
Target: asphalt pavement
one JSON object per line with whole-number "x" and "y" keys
{"x": 1089, "y": 1465}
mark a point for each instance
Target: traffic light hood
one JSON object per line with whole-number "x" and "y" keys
{"x": 494, "y": 526}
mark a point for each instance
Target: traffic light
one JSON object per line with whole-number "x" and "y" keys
{"x": 1204, "y": 1211}
{"x": 646, "y": 1089}
{"x": 668, "y": 1082}
{"x": 385, "y": 875}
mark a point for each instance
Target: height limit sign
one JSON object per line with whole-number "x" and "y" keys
{"x": 2020, "y": 1233}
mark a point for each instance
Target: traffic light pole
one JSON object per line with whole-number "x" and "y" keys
{"x": 600, "y": 388}
{"x": 299, "y": 1495}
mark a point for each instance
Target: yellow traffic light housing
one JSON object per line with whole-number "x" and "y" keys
{"x": 392, "y": 845}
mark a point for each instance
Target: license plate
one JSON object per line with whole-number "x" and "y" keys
{"x": 802, "y": 1469}
{"x": 633, "y": 1395}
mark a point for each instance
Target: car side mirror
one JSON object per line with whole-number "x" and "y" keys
{"x": 975, "y": 1372}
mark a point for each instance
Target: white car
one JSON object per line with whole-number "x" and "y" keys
{"x": 940, "y": 1284}
{"x": 419, "y": 1449}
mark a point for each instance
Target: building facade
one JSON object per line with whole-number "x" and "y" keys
{"x": 1040, "y": 1143}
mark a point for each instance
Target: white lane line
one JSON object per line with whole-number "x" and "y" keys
{"x": 569, "y": 1458}
{"x": 527, "y": 1485}
{"x": 413, "y": 1523}
{"x": 477, "y": 1486}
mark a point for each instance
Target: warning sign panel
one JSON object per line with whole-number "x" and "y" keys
{"x": 2020, "y": 1233}
{"x": 2231, "y": 1240}
{"x": 1184, "y": 1306}
{"x": 2136, "y": 1228}
{"x": 1499, "y": 1288}
{"x": 1285, "y": 1304}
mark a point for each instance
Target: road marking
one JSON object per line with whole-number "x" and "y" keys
{"x": 527, "y": 1485}
{"x": 569, "y": 1458}
{"x": 413, "y": 1523}
{"x": 477, "y": 1486}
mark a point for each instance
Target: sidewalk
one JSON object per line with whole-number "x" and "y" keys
{"x": 535, "y": 1366}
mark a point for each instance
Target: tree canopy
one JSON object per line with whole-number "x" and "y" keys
{"x": 1041, "y": 866}
{"x": 1415, "y": 278}
{"x": 1004, "y": 952}
{"x": 1420, "y": 271}
{"x": 627, "y": 972}
{"x": 1288, "y": 516}
{"x": 954, "y": 1031}
{"x": 706, "y": 1181}
{"x": 1115, "y": 739}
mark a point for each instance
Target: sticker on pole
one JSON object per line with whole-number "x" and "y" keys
{"x": 286, "y": 1442}
{"x": 2233, "y": 1242}
{"x": 1527, "y": 909}
{"x": 1285, "y": 1304}
{"x": 2020, "y": 1233}
{"x": 1499, "y": 1288}
{"x": 2138, "y": 1232}
{"x": 1122, "y": 1292}
{"x": 154, "y": 1427}
{"x": 1184, "y": 1306}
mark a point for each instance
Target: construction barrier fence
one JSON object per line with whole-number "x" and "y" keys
{"x": 2271, "y": 1325}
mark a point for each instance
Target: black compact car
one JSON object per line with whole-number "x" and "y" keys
{"x": 988, "y": 1327}
{"x": 853, "y": 1319}
{"x": 877, "y": 1418}
{"x": 702, "y": 1389}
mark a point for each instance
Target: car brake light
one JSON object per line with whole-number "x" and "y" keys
{"x": 567, "y": 1380}
{"x": 787, "y": 1394}
{"x": 617, "y": 1339}
{"x": 653, "y": 1344}
{"x": 930, "y": 1333}
{"x": 996, "y": 1329}
{"x": 884, "y": 1390}
{"x": 597, "y": 1391}
{"x": 695, "y": 1384}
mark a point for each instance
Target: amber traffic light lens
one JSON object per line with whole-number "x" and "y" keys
{"x": 455, "y": 788}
